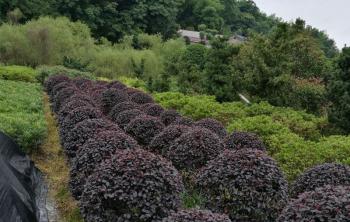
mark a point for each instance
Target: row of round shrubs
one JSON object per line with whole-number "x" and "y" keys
{"x": 111, "y": 176}
{"x": 111, "y": 171}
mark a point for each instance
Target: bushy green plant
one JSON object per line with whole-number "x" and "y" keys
{"x": 46, "y": 71}
{"x": 45, "y": 41}
{"x": 21, "y": 113}
{"x": 18, "y": 73}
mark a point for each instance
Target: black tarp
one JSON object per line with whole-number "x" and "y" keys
{"x": 22, "y": 188}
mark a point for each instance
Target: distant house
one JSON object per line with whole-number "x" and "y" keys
{"x": 195, "y": 37}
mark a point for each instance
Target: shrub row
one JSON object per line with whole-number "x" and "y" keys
{"x": 108, "y": 166}
{"x": 22, "y": 113}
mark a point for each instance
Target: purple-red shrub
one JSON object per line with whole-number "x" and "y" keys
{"x": 68, "y": 107}
{"x": 98, "y": 148}
{"x": 57, "y": 88}
{"x": 132, "y": 91}
{"x": 52, "y": 81}
{"x": 153, "y": 110}
{"x": 83, "y": 131}
{"x": 162, "y": 142}
{"x": 169, "y": 116}
{"x": 121, "y": 107}
{"x": 184, "y": 121}
{"x": 246, "y": 184}
{"x": 134, "y": 185}
{"x": 112, "y": 97}
{"x": 194, "y": 215}
{"x": 116, "y": 85}
{"x": 124, "y": 118}
{"x": 212, "y": 125}
{"x": 329, "y": 203}
{"x": 141, "y": 98}
{"x": 194, "y": 149}
{"x": 244, "y": 140}
{"x": 144, "y": 128}
{"x": 61, "y": 97}
{"x": 334, "y": 174}
{"x": 75, "y": 116}
{"x": 81, "y": 82}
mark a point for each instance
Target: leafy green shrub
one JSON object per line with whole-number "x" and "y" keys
{"x": 21, "y": 113}
{"x": 46, "y": 71}
{"x": 18, "y": 73}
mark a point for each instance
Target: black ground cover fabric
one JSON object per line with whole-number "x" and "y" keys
{"x": 21, "y": 185}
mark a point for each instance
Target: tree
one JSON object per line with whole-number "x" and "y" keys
{"x": 114, "y": 19}
{"x": 218, "y": 72}
{"x": 339, "y": 92}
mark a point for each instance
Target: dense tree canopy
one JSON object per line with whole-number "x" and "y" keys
{"x": 339, "y": 92}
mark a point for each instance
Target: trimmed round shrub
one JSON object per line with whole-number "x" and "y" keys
{"x": 144, "y": 128}
{"x": 154, "y": 110}
{"x": 247, "y": 184}
{"x": 112, "y": 97}
{"x": 52, "y": 81}
{"x": 87, "y": 86}
{"x": 244, "y": 140}
{"x": 141, "y": 98}
{"x": 83, "y": 131}
{"x": 57, "y": 88}
{"x": 194, "y": 149}
{"x": 98, "y": 148}
{"x": 68, "y": 107}
{"x": 326, "y": 174}
{"x": 212, "y": 125}
{"x": 194, "y": 215}
{"x": 162, "y": 142}
{"x": 134, "y": 185}
{"x": 183, "y": 121}
{"x": 121, "y": 107}
{"x": 62, "y": 96}
{"x": 132, "y": 91}
{"x": 169, "y": 116}
{"x": 117, "y": 85}
{"x": 75, "y": 116}
{"x": 329, "y": 203}
{"x": 124, "y": 118}
{"x": 81, "y": 82}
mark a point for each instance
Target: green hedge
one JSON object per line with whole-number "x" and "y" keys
{"x": 21, "y": 113}
{"x": 18, "y": 73}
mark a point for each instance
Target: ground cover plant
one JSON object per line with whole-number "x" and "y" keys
{"x": 21, "y": 113}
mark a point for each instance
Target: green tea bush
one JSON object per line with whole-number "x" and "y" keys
{"x": 18, "y": 73}
{"x": 21, "y": 113}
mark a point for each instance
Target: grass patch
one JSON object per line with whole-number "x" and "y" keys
{"x": 51, "y": 160}
{"x": 22, "y": 114}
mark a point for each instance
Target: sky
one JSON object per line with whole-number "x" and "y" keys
{"x": 331, "y": 16}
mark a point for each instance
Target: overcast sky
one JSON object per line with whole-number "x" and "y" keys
{"x": 332, "y": 16}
